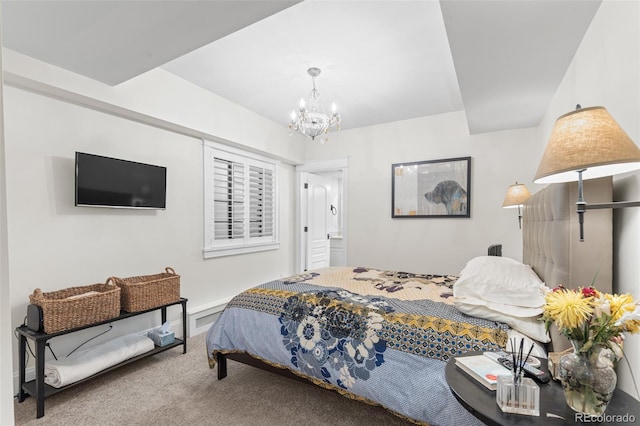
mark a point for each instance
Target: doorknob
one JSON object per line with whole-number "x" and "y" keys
{"x": 328, "y": 236}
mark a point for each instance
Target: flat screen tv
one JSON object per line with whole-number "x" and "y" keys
{"x": 110, "y": 182}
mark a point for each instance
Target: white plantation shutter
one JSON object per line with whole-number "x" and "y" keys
{"x": 261, "y": 192}
{"x": 240, "y": 203}
{"x": 228, "y": 199}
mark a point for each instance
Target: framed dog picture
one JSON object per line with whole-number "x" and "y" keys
{"x": 436, "y": 188}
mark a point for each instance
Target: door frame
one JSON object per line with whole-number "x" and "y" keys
{"x": 339, "y": 164}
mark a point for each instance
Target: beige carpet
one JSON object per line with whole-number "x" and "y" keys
{"x": 175, "y": 389}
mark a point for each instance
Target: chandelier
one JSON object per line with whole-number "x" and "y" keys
{"x": 313, "y": 121}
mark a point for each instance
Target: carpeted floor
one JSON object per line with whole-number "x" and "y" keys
{"x": 175, "y": 389}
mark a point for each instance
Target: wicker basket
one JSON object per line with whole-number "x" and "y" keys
{"x": 77, "y": 306}
{"x": 148, "y": 291}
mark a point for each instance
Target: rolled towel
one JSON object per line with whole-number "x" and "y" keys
{"x": 85, "y": 363}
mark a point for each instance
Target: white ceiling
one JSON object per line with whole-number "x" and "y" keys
{"x": 386, "y": 60}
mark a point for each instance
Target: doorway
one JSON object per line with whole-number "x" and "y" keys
{"x": 321, "y": 231}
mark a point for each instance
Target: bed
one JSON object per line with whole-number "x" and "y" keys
{"x": 383, "y": 337}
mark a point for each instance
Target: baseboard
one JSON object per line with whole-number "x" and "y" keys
{"x": 201, "y": 317}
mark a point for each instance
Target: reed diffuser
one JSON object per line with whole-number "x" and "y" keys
{"x": 516, "y": 393}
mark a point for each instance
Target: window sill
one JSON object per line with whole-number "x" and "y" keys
{"x": 209, "y": 253}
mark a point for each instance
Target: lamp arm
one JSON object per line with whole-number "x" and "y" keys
{"x": 582, "y": 206}
{"x": 612, "y": 205}
{"x": 519, "y": 217}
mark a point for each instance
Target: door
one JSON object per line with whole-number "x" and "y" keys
{"x": 336, "y": 170}
{"x": 318, "y": 243}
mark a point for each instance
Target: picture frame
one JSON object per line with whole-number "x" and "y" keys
{"x": 431, "y": 189}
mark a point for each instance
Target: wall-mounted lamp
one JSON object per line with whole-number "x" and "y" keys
{"x": 587, "y": 143}
{"x": 517, "y": 194}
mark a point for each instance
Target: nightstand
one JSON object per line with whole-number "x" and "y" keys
{"x": 554, "y": 410}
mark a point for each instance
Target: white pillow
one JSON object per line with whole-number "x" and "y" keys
{"x": 513, "y": 310}
{"x": 500, "y": 280}
{"x": 529, "y": 326}
{"x": 502, "y": 289}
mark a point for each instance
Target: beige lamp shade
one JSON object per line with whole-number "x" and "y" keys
{"x": 587, "y": 138}
{"x": 517, "y": 194}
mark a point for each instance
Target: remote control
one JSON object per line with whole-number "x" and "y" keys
{"x": 496, "y": 355}
{"x": 506, "y": 360}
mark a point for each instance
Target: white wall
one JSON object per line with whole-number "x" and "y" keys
{"x": 6, "y": 370}
{"x": 179, "y": 104}
{"x": 606, "y": 71}
{"x": 54, "y": 245}
{"x": 429, "y": 245}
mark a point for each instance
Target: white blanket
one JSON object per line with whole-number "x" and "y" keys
{"x": 85, "y": 363}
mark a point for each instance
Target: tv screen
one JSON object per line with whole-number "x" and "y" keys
{"x": 110, "y": 182}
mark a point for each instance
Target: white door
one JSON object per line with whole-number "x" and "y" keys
{"x": 318, "y": 208}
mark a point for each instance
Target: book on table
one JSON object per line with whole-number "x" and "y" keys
{"x": 483, "y": 369}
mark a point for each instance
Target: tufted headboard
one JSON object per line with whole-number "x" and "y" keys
{"x": 551, "y": 244}
{"x": 550, "y": 235}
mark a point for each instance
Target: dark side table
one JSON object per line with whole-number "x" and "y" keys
{"x": 481, "y": 402}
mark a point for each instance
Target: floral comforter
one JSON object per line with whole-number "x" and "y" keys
{"x": 378, "y": 336}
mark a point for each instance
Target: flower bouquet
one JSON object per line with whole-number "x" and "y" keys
{"x": 594, "y": 322}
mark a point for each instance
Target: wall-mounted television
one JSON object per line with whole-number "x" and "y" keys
{"x": 111, "y": 182}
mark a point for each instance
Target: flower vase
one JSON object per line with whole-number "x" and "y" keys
{"x": 588, "y": 379}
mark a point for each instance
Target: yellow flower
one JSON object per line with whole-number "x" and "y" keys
{"x": 620, "y": 304}
{"x": 630, "y": 319}
{"x": 591, "y": 319}
{"x": 568, "y": 309}
{"x": 632, "y": 326}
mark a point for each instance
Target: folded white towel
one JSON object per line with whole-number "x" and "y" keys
{"x": 85, "y": 363}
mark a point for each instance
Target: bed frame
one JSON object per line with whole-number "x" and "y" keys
{"x": 244, "y": 358}
{"x": 550, "y": 245}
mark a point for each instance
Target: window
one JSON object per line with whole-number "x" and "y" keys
{"x": 240, "y": 202}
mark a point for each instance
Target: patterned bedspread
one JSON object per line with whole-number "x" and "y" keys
{"x": 378, "y": 336}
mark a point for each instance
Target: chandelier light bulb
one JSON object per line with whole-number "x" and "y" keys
{"x": 302, "y": 104}
{"x": 333, "y": 107}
